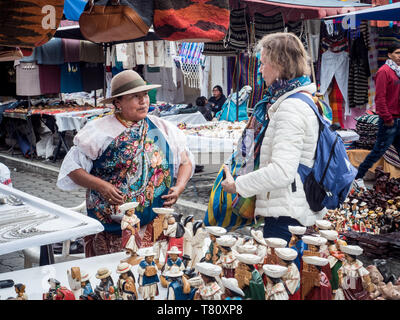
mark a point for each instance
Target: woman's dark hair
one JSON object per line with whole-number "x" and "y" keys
{"x": 394, "y": 46}
{"x": 201, "y": 101}
{"x": 219, "y": 88}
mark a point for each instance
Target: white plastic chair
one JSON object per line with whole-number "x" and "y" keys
{"x": 32, "y": 255}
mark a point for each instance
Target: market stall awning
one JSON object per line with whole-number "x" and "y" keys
{"x": 294, "y": 10}
{"x": 389, "y": 12}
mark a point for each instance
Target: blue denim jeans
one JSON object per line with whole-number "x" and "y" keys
{"x": 279, "y": 227}
{"x": 386, "y": 136}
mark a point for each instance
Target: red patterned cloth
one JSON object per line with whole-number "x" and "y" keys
{"x": 336, "y": 102}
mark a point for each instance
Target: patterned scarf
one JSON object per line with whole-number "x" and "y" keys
{"x": 394, "y": 66}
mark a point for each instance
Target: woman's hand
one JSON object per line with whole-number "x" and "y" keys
{"x": 110, "y": 193}
{"x": 228, "y": 185}
{"x": 172, "y": 196}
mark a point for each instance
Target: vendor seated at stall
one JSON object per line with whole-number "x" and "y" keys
{"x": 128, "y": 156}
{"x": 217, "y": 100}
{"x": 204, "y": 107}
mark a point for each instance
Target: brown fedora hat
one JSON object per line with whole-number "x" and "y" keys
{"x": 127, "y": 82}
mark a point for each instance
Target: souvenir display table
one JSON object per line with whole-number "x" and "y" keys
{"x": 190, "y": 119}
{"x": 27, "y": 221}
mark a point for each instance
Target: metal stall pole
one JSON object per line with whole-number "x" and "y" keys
{"x": 105, "y": 70}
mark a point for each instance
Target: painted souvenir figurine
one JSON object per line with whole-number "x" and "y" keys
{"x": 232, "y": 290}
{"x": 319, "y": 288}
{"x": 172, "y": 260}
{"x": 334, "y": 255}
{"x": 105, "y": 290}
{"x": 214, "y": 252}
{"x": 272, "y": 244}
{"x": 227, "y": 260}
{"x": 178, "y": 288}
{"x": 64, "y": 293}
{"x": 175, "y": 231}
{"x": 292, "y": 277}
{"x": 210, "y": 289}
{"x": 260, "y": 243}
{"x": 315, "y": 246}
{"x": 20, "y": 291}
{"x": 353, "y": 277}
{"x": 74, "y": 280}
{"x": 275, "y": 289}
{"x": 130, "y": 226}
{"x": 199, "y": 235}
{"x": 148, "y": 278}
{"x": 188, "y": 236}
{"x": 248, "y": 277}
{"x": 86, "y": 286}
{"x": 126, "y": 282}
{"x": 297, "y": 243}
{"x": 54, "y": 285}
{"x": 323, "y": 225}
{"x": 160, "y": 239}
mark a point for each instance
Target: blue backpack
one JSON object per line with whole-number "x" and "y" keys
{"x": 329, "y": 181}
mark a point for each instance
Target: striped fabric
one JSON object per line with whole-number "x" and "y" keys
{"x": 392, "y": 157}
{"x": 385, "y": 39}
{"x": 373, "y": 64}
{"x": 336, "y": 102}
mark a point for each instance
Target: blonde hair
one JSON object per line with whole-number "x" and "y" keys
{"x": 285, "y": 52}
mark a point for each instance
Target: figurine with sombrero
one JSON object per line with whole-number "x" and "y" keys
{"x": 275, "y": 288}
{"x": 214, "y": 252}
{"x": 210, "y": 289}
{"x": 126, "y": 282}
{"x": 319, "y": 287}
{"x": 272, "y": 244}
{"x": 297, "y": 243}
{"x": 227, "y": 260}
{"x": 172, "y": 260}
{"x": 232, "y": 290}
{"x": 148, "y": 278}
{"x": 160, "y": 240}
{"x": 259, "y": 242}
{"x": 179, "y": 288}
{"x": 130, "y": 226}
{"x": 105, "y": 290}
{"x": 291, "y": 279}
{"x": 248, "y": 277}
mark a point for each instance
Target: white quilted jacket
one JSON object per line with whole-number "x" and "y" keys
{"x": 290, "y": 139}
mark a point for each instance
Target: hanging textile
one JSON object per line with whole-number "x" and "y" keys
{"x": 190, "y": 60}
{"x": 385, "y": 39}
{"x": 336, "y": 102}
{"x": 238, "y": 35}
{"x": 373, "y": 64}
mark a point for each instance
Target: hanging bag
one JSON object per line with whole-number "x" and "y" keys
{"x": 191, "y": 21}
{"x": 116, "y": 20}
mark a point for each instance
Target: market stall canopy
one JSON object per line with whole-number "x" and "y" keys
{"x": 74, "y": 32}
{"x": 294, "y": 10}
{"x": 389, "y": 12}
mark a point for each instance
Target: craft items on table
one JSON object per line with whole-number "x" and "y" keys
{"x": 172, "y": 260}
{"x": 291, "y": 279}
{"x": 105, "y": 290}
{"x": 227, "y": 260}
{"x": 174, "y": 230}
{"x": 259, "y": 242}
{"x": 248, "y": 277}
{"x": 297, "y": 243}
{"x": 148, "y": 278}
{"x": 232, "y": 290}
{"x": 54, "y": 285}
{"x": 214, "y": 252}
{"x": 87, "y": 290}
{"x": 354, "y": 279}
{"x": 188, "y": 235}
{"x": 211, "y": 288}
{"x": 126, "y": 283}
{"x": 218, "y": 129}
{"x": 74, "y": 280}
{"x": 273, "y": 243}
{"x": 130, "y": 226}
{"x": 20, "y": 291}
{"x": 178, "y": 286}
{"x": 275, "y": 288}
{"x": 199, "y": 235}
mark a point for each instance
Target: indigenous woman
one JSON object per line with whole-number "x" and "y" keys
{"x": 128, "y": 156}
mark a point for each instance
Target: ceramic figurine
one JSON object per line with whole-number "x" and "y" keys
{"x": 188, "y": 236}
{"x": 87, "y": 290}
{"x": 227, "y": 260}
{"x": 292, "y": 277}
{"x": 232, "y": 290}
{"x": 63, "y": 293}
{"x": 260, "y": 243}
{"x": 159, "y": 238}
{"x": 353, "y": 277}
{"x": 319, "y": 287}
{"x": 248, "y": 277}
{"x": 334, "y": 255}
{"x": 126, "y": 282}
{"x": 74, "y": 280}
{"x": 148, "y": 278}
{"x": 210, "y": 289}
{"x": 186, "y": 260}
{"x": 323, "y": 225}
{"x": 199, "y": 235}
{"x": 54, "y": 285}
{"x": 105, "y": 290}
{"x": 354, "y": 207}
{"x": 317, "y": 245}
{"x": 273, "y": 243}
{"x": 275, "y": 289}
{"x": 175, "y": 231}
{"x": 130, "y": 226}
{"x": 179, "y": 287}
{"x": 172, "y": 260}
{"x": 297, "y": 243}
{"x": 213, "y": 253}
{"x": 20, "y": 291}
